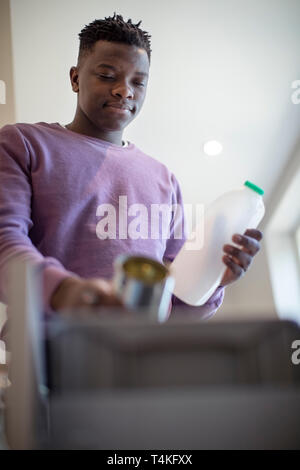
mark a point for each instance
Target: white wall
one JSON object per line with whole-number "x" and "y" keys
{"x": 281, "y": 226}
{"x": 7, "y": 109}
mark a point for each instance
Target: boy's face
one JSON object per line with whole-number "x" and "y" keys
{"x": 99, "y": 87}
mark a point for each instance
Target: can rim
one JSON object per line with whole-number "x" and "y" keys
{"x": 123, "y": 263}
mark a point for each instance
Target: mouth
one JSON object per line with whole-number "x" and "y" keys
{"x": 118, "y": 110}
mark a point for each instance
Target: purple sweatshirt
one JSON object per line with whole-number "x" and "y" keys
{"x": 62, "y": 206}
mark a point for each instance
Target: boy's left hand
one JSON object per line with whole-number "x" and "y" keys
{"x": 238, "y": 260}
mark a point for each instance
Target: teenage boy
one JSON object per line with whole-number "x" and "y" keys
{"x": 64, "y": 189}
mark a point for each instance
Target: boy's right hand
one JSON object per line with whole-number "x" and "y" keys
{"x": 77, "y": 292}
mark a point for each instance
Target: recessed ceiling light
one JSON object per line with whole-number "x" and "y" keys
{"x": 212, "y": 147}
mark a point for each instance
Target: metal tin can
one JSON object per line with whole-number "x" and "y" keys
{"x": 144, "y": 284}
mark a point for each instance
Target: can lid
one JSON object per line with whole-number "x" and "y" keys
{"x": 145, "y": 269}
{"x": 254, "y": 187}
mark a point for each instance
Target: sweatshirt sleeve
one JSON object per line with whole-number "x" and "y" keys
{"x": 178, "y": 235}
{"x": 15, "y": 216}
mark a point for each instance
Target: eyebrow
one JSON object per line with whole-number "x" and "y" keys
{"x": 114, "y": 68}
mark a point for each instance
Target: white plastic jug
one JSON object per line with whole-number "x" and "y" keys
{"x": 198, "y": 270}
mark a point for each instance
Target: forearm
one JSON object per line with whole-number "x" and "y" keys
{"x": 52, "y": 272}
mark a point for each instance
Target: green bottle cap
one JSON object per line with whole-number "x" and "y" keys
{"x": 254, "y": 187}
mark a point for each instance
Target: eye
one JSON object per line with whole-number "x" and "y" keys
{"x": 108, "y": 77}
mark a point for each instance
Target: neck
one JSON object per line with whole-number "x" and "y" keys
{"x": 82, "y": 125}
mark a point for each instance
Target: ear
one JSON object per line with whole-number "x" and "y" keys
{"x": 74, "y": 79}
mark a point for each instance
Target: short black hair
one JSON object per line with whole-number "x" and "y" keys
{"x": 114, "y": 29}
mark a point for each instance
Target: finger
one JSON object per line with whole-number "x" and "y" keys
{"x": 235, "y": 268}
{"x": 240, "y": 257}
{"x": 110, "y": 300}
{"x": 89, "y": 297}
{"x": 254, "y": 233}
{"x": 107, "y": 299}
{"x": 101, "y": 285}
{"x": 96, "y": 299}
{"x": 99, "y": 292}
{"x": 249, "y": 244}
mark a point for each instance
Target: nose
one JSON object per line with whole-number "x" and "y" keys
{"x": 123, "y": 90}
